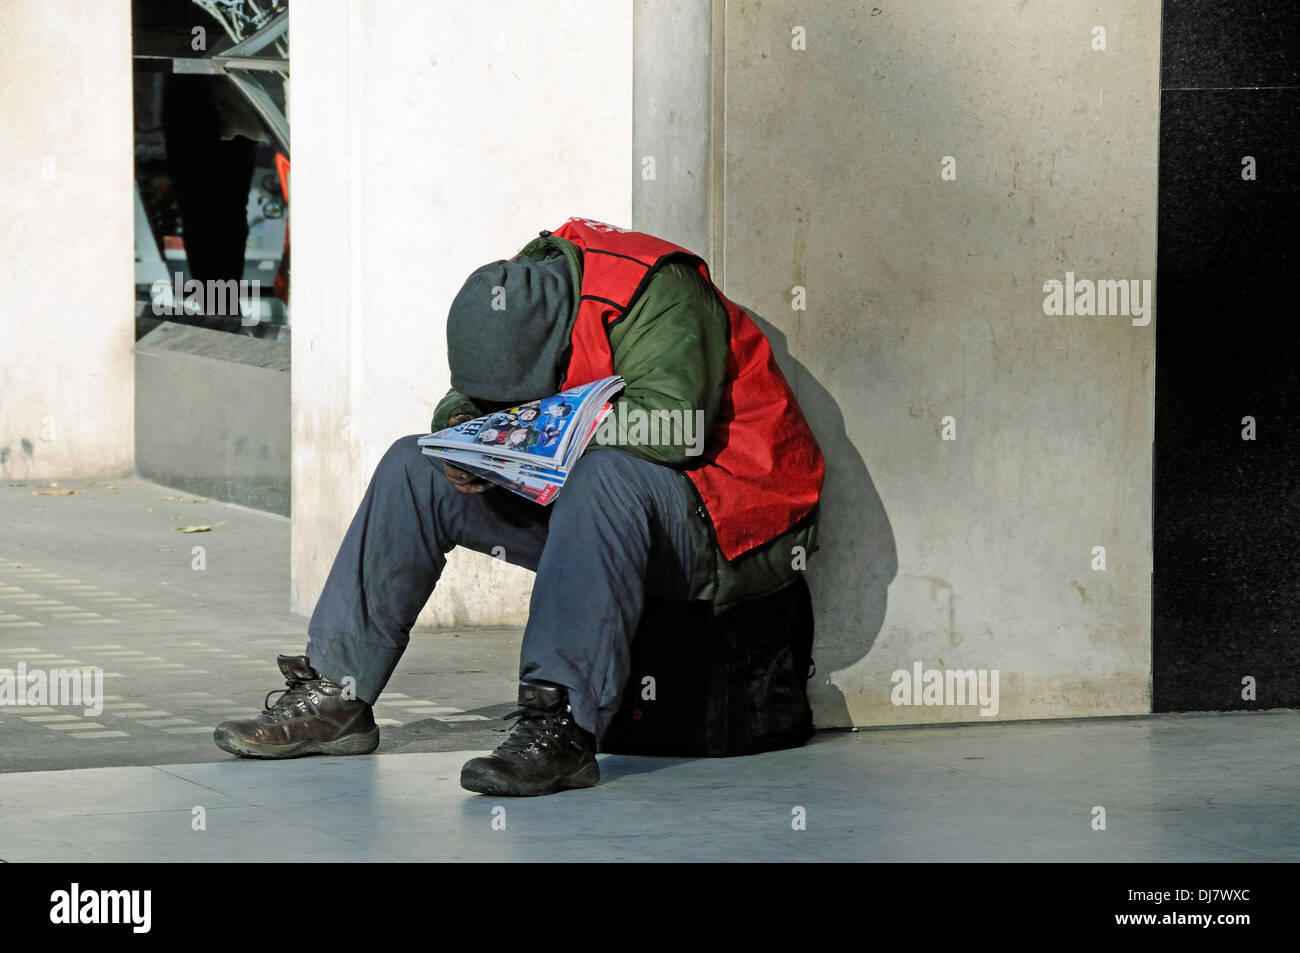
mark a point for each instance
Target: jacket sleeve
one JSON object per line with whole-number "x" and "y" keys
{"x": 671, "y": 348}
{"x": 453, "y": 403}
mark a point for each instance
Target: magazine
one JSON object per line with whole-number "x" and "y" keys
{"x": 528, "y": 449}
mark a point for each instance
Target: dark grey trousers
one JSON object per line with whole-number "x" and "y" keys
{"x": 617, "y": 532}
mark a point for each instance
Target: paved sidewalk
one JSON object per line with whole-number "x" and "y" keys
{"x": 1174, "y": 788}
{"x": 103, "y": 578}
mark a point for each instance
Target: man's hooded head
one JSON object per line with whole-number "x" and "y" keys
{"x": 508, "y": 329}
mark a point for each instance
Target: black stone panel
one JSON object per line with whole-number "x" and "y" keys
{"x": 1230, "y": 43}
{"x": 1227, "y": 510}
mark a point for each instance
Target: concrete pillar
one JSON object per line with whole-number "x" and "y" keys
{"x": 900, "y": 298}
{"x": 66, "y": 293}
{"x": 672, "y": 88}
{"x": 428, "y": 139}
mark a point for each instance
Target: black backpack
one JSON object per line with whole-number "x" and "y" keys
{"x": 731, "y": 684}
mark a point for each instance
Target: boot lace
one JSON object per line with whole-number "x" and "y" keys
{"x": 300, "y": 696}
{"x": 535, "y": 729}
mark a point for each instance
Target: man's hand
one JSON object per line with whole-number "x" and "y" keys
{"x": 463, "y": 480}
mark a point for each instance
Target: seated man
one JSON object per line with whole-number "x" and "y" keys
{"x": 716, "y": 518}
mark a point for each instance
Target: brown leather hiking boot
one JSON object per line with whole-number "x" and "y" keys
{"x": 547, "y": 751}
{"x": 310, "y": 717}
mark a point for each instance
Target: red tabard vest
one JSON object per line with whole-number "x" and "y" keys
{"x": 761, "y": 470}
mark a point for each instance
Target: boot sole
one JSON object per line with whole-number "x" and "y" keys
{"x": 360, "y": 743}
{"x": 487, "y": 782}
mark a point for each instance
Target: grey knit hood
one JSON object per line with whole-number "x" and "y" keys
{"x": 508, "y": 330}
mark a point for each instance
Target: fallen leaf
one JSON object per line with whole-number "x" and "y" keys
{"x": 193, "y": 529}
{"x": 54, "y": 492}
{"x": 111, "y": 487}
{"x": 90, "y": 483}
{"x": 191, "y": 499}
{"x": 17, "y": 484}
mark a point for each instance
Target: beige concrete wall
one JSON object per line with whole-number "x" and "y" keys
{"x": 924, "y": 300}
{"x": 428, "y": 139}
{"x": 66, "y": 387}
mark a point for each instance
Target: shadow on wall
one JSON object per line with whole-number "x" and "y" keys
{"x": 850, "y": 574}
